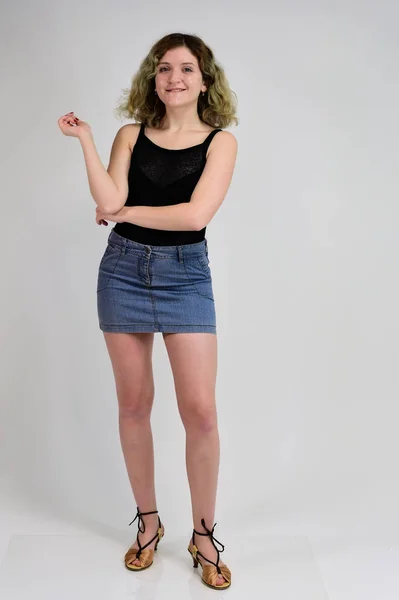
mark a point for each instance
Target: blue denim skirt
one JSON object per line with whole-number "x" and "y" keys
{"x": 143, "y": 288}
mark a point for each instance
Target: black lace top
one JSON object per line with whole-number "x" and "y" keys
{"x": 161, "y": 177}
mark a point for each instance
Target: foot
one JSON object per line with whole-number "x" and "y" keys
{"x": 206, "y": 548}
{"x": 151, "y": 528}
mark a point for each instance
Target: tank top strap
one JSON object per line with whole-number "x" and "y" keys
{"x": 210, "y": 137}
{"x": 204, "y": 146}
{"x": 207, "y": 141}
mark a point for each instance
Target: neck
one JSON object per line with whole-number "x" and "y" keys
{"x": 182, "y": 119}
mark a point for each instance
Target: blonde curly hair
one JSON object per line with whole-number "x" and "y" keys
{"x": 217, "y": 107}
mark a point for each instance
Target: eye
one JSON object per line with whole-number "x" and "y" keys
{"x": 161, "y": 68}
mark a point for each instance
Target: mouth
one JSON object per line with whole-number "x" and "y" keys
{"x": 176, "y": 90}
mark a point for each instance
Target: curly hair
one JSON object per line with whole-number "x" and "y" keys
{"x": 217, "y": 106}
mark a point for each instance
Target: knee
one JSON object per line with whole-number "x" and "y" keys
{"x": 135, "y": 405}
{"x": 199, "y": 417}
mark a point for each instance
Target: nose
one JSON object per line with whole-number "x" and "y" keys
{"x": 175, "y": 78}
{"x": 175, "y": 83}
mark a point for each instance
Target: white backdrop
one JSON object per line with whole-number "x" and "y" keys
{"x": 303, "y": 254}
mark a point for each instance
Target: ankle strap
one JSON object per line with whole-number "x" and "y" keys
{"x": 139, "y": 515}
{"x": 210, "y": 533}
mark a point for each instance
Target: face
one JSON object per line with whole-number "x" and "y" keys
{"x": 178, "y": 68}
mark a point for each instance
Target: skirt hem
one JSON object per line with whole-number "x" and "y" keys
{"x": 138, "y": 328}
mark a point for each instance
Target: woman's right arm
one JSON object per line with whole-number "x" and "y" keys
{"x": 109, "y": 188}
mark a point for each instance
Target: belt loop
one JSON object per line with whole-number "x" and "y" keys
{"x": 124, "y": 246}
{"x": 206, "y": 246}
{"x": 180, "y": 253}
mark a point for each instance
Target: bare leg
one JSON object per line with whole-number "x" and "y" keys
{"x": 131, "y": 356}
{"x": 193, "y": 358}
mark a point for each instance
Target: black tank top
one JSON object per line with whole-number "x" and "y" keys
{"x": 162, "y": 177}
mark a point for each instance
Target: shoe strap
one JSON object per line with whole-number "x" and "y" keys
{"x": 145, "y": 545}
{"x": 209, "y": 533}
{"x": 141, "y": 521}
{"x": 138, "y": 516}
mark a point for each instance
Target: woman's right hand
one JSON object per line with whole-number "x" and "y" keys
{"x": 98, "y": 220}
{"x": 72, "y": 126}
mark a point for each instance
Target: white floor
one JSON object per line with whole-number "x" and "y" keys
{"x": 45, "y": 559}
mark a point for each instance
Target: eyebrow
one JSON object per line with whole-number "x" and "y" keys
{"x": 184, "y": 63}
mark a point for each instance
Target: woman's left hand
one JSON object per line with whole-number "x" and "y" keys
{"x": 118, "y": 217}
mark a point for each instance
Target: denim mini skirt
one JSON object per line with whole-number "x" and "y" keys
{"x": 143, "y": 288}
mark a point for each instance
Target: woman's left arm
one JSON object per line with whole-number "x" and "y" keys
{"x": 205, "y": 200}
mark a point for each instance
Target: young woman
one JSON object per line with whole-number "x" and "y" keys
{"x": 168, "y": 175}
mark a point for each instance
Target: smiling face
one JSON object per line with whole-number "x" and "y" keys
{"x": 178, "y": 70}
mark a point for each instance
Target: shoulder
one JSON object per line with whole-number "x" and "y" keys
{"x": 223, "y": 141}
{"x": 129, "y": 133}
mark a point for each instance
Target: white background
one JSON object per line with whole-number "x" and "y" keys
{"x": 304, "y": 257}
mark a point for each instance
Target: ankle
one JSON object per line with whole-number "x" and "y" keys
{"x": 201, "y": 529}
{"x": 143, "y": 521}
{"x": 149, "y": 520}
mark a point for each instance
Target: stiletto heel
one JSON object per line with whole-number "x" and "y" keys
{"x": 146, "y": 557}
{"x": 209, "y": 572}
{"x": 195, "y": 560}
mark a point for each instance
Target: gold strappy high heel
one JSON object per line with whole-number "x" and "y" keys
{"x": 146, "y": 557}
{"x": 210, "y": 572}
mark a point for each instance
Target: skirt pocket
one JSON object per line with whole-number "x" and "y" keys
{"x": 107, "y": 266}
{"x": 198, "y": 273}
{"x": 203, "y": 261}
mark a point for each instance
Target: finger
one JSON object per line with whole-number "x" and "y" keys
{"x": 67, "y": 116}
{"x": 69, "y": 119}
{"x": 70, "y": 116}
